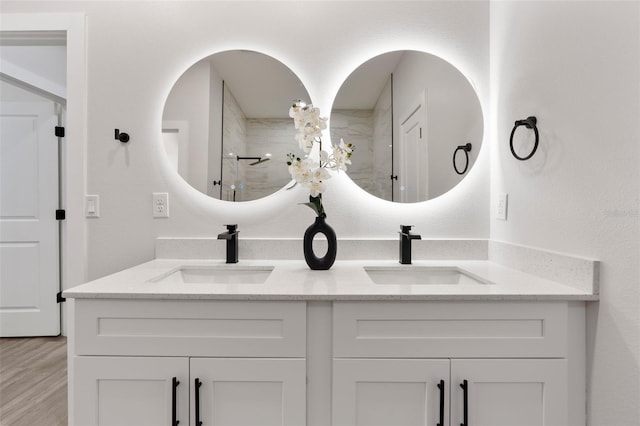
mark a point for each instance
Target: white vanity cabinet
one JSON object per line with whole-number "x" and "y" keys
{"x": 403, "y": 363}
{"x": 335, "y": 361}
{"x": 156, "y": 362}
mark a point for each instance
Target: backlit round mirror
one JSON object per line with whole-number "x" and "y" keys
{"x": 226, "y": 118}
{"x": 416, "y": 123}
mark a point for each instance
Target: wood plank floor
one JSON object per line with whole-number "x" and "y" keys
{"x": 33, "y": 381}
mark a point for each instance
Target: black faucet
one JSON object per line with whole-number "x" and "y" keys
{"x": 405, "y": 243}
{"x": 232, "y": 242}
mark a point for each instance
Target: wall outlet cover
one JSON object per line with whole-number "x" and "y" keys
{"x": 160, "y": 204}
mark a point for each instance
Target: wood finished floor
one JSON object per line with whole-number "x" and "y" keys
{"x": 33, "y": 381}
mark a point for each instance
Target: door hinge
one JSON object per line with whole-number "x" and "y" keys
{"x": 59, "y": 132}
{"x": 60, "y": 214}
{"x": 59, "y": 298}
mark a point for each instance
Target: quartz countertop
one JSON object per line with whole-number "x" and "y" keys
{"x": 346, "y": 280}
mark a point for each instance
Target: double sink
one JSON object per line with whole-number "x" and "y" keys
{"x": 382, "y": 275}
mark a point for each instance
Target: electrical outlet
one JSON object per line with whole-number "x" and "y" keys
{"x": 501, "y": 208}
{"x": 91, "y": 206}
{"x": 160, "y": 204}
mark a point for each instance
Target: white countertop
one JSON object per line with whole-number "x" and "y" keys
{"x": 346, "y": 280}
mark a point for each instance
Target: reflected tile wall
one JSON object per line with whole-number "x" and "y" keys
{"x": 275, "y": 136}
{"x": 356, "y": 127}
{"x": 382, "y": 145}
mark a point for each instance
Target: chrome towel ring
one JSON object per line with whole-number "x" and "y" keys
{"x": 464, "y": 148}
{"x": 529, "y": 123}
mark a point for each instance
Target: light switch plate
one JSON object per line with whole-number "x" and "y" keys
{"x": 160, "y": 204}
{"x": 501, "y": 207}
{"x": 92, "y": 206}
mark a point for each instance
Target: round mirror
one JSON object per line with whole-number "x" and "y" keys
{"x": 225, "y": 118}
{"x": 416, "y": 123}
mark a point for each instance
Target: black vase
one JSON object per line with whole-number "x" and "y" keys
{"x": 320, "y": 226}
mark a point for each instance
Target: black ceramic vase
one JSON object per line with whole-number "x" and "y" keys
{"x": 320, "y": 226}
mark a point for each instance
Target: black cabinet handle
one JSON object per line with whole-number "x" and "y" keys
{"x": 198, "y": 383}
{"x": 174, "y": 411}
{"x": 441, "y": 387}
{"x": 465, "y": 403}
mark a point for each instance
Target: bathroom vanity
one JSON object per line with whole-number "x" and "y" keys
{"x": 272, "y": 342}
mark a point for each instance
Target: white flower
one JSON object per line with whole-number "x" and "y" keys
{"x": 307, "y": 117}
{"x": 302, "y": 170}
{"x": 348, "y": 148}
{"x": 316, "y": 183}
{"x": 320, "y": 174}
{"x": 295, "y": 112}
{"x": 341, "y": 155}
{"x": 308, "y": 173}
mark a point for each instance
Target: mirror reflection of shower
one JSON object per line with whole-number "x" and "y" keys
{"x": 228, "y": 105}
{"x": 242, "y": 179}
{"x": 245, "y": 173}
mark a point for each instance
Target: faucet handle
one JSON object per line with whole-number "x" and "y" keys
{"x": 405, "y": 229}
{"x": 232, "y": 228}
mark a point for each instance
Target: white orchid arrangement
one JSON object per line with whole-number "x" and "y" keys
{"x": 305, "y": 171}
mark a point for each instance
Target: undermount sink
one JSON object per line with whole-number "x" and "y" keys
{"x": 422, "y": 275}
{"x": 199, "y": 274}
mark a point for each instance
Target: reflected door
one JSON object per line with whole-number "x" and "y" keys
{"x": 413, "y": 173}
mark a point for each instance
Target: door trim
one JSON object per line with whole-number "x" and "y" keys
{"x": 73, "y": 173}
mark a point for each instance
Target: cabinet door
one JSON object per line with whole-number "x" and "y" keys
{"x": 510, "y": 392}
{"x": 130, "y": 391}
{"x": 248, "y": 391}
{"x": 390, "y": 392}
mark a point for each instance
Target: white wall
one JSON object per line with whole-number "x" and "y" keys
{"x": 189, "y": 101}
{"x": 137, "y": 50}
{"x": 576, "y": 66}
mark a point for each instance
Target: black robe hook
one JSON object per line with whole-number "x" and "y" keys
{"x": 122, "y": 137}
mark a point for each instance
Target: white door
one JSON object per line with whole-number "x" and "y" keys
{"x": 510, "y": 392}
{"x": 397, "y": 392}
{"x": 249, "y": 392}
{"x": 29, "y": 265}
{"x": 133, "y": 391}
{"x": 414, "y": 161}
